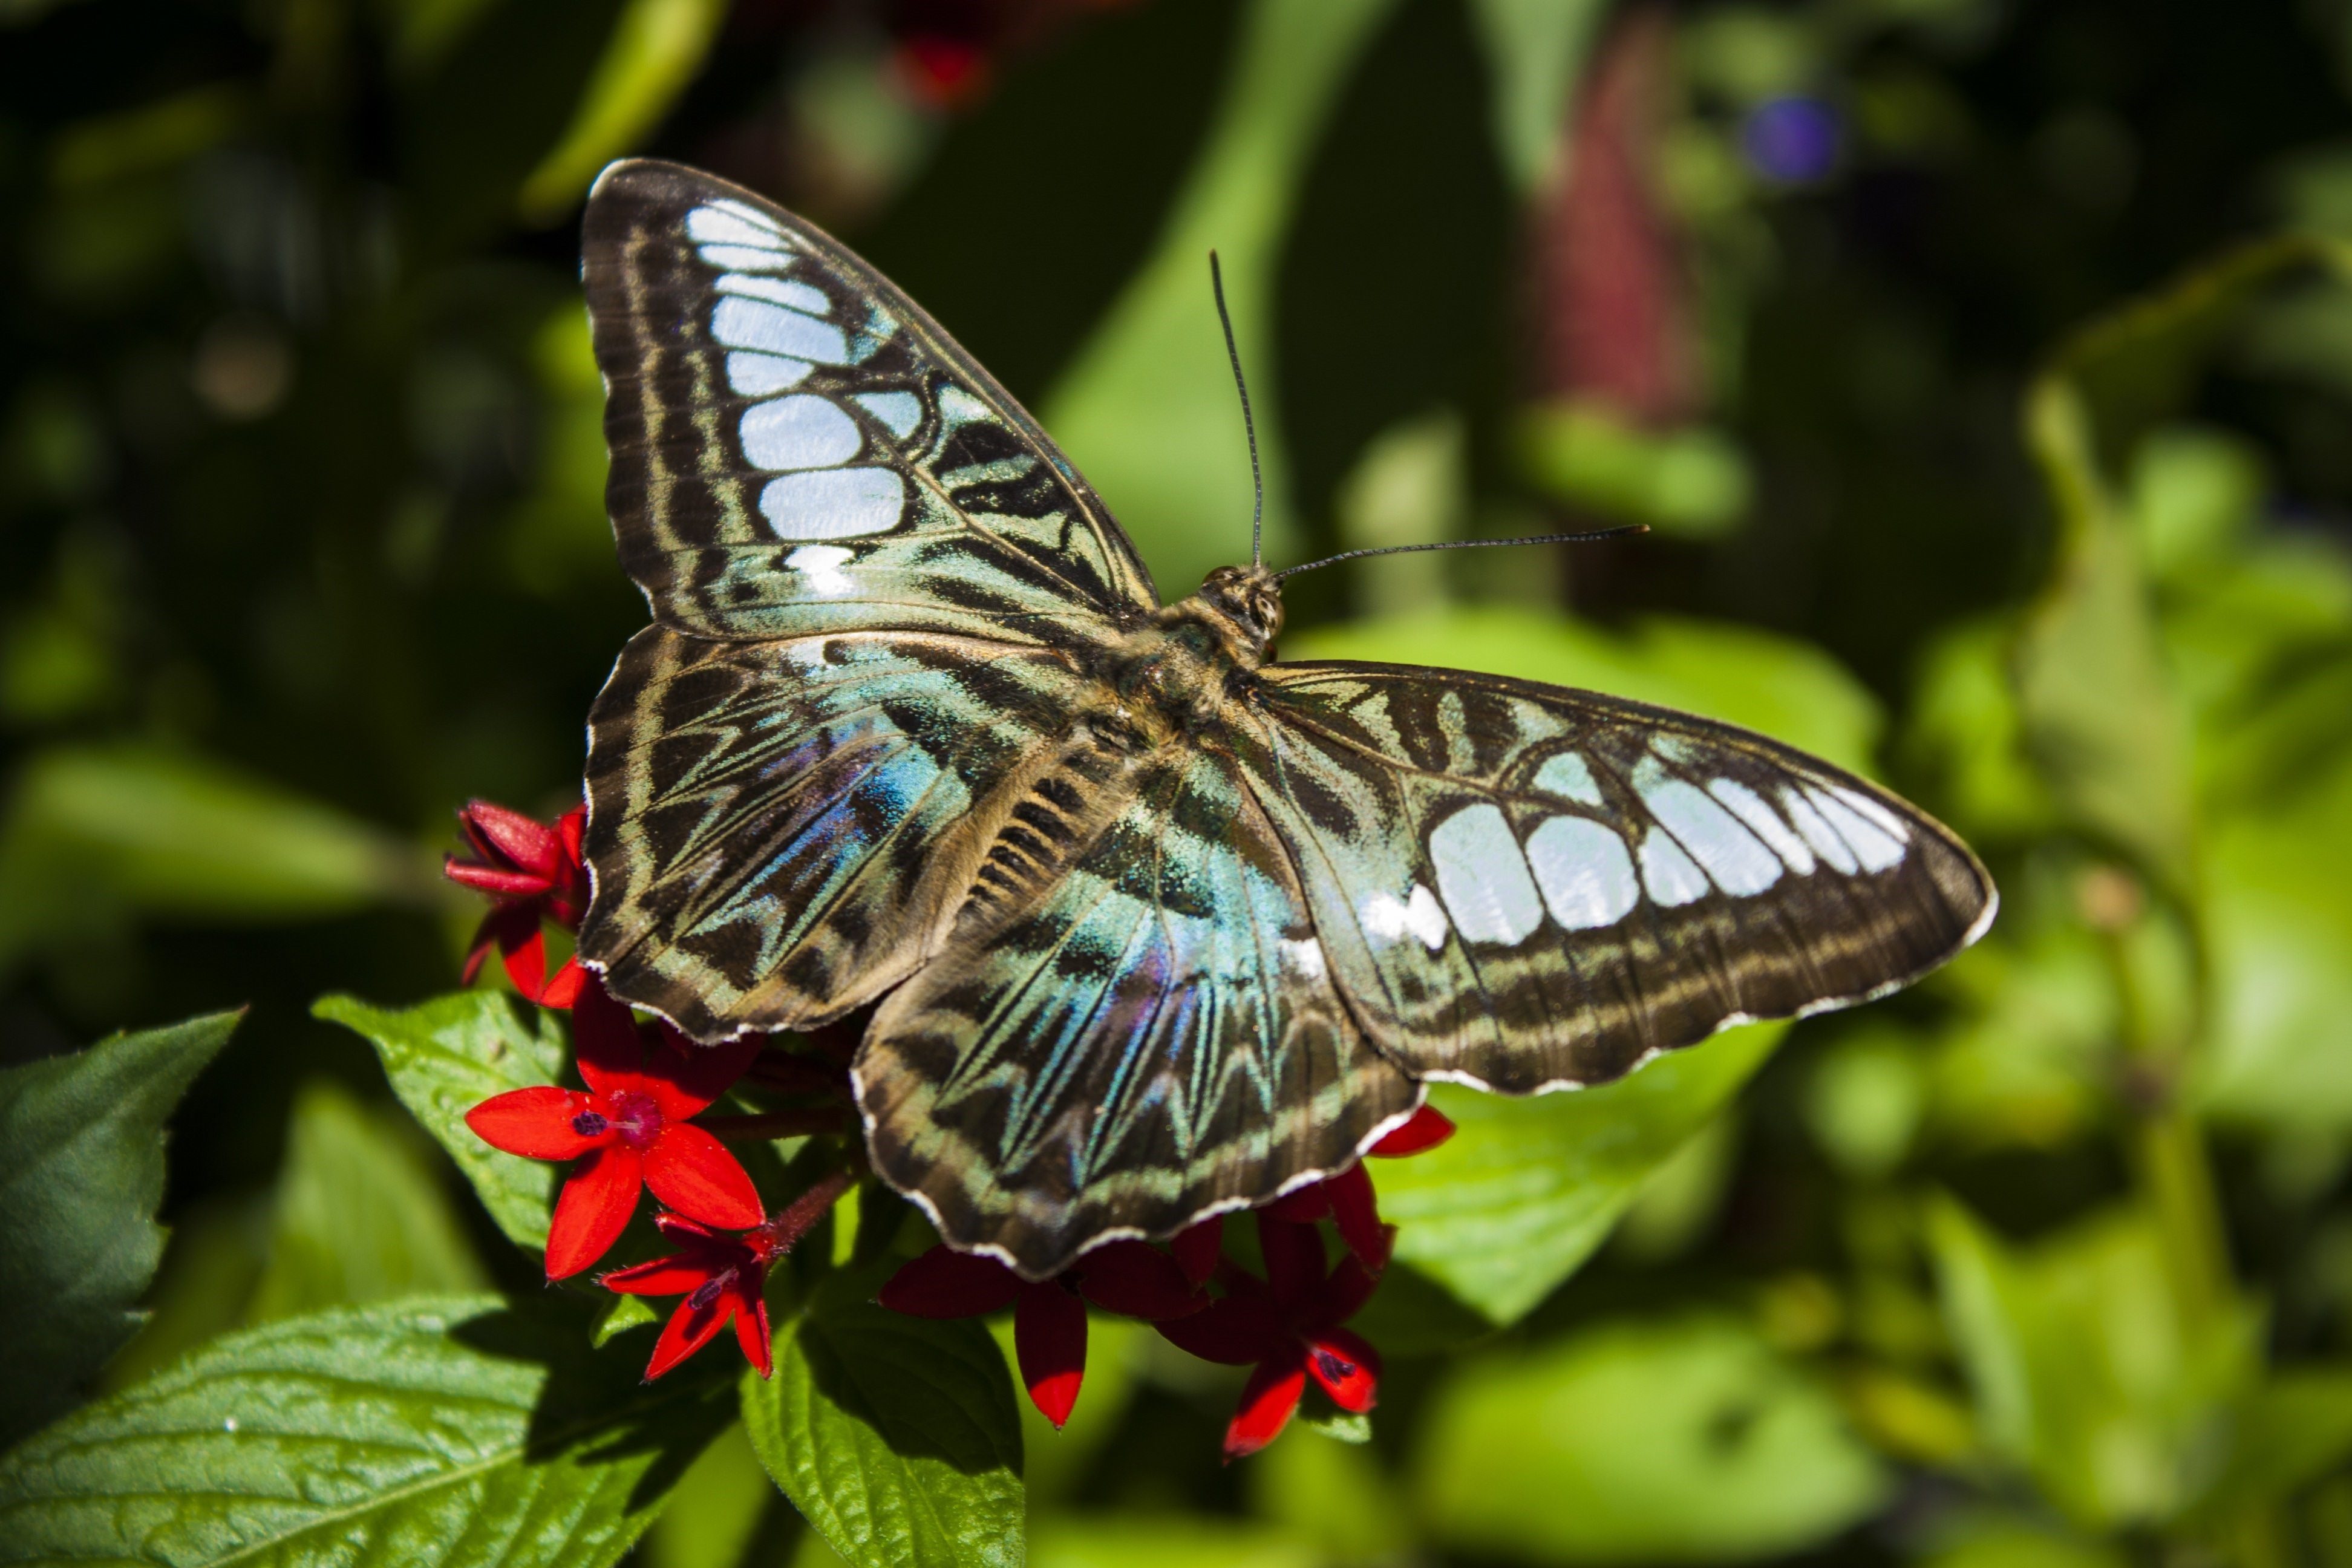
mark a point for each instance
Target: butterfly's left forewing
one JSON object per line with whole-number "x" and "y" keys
{"x": 798, "y": 447}
{"x": 1523, "y": 886}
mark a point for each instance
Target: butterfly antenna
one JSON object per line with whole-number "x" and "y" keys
{"x": 1249, "y": 426}
{"x": 1465, "y": 544}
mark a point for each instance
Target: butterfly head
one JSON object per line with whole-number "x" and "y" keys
{"x": 1247, "y": 602}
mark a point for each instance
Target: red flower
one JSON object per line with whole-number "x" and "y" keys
{"x": 1049, "y": 1320}
{"x": 1347, "y": 1200}
{"x": 534, "y": 873}
{"x": 629, "y": 1130}
{"x": 724, "y": 1279}
{"x": 1289, "y": 1324}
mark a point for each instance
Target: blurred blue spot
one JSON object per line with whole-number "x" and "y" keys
{"x": 1792, "y": 141}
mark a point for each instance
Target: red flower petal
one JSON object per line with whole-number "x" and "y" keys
{"x": 1267, "y": 1399}
{"x": 1344, "y": 1293}
{"x": 1347, "y": 1366}
{"x": 684, "y": 1077}
{"x": 1305, "y": 1207}
{"x": 525, "y": 954}
{"x": 752, "y": 1333}
{"x": 680, "y": 1274}
{"x": 502, "y": 831}
{"x": 605, "y": 1045}
{"x": 1049, "y": 1338}
{"x": 1236, "y": 1331}
{"x": 1197, "y": 1249}
{"x": 1138, "y": 1280}
{"x": 1357, "y": 1214}
{"x": 945, "y": 1283}
{"x": 534, "y": 1122}
{"x": 689, "y": 1330}
{"x": 593, "y": 1210}
{"x": 1424, "y": 1129}
{"x": 493, "y": 880}
{"x": 562, "y": 988}
{"x": 1294, "y": 1259}
{"x": 692, "y": 1172}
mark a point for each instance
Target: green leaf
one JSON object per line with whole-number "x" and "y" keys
{"x": 895, "y": 1437}
{"x": 1146, "y": 409}
{"x": 1787, "y": 689}
{"x": 716, "y": 1509}
{"x": 427, "y": 1433}
{"x": 2277, "y": 928}
{"x": 1529, "y": 1188}
{"x": 655, "y": 48}
{"x": 1692, "y": 482}
{"x": 1688, "y": 1441}
{"x": 2293, "y": 1429}
{"x": 359, "y": 1214}
{"x": 81, "y": 1170}
{"x": 446, "y": 1056}
{"x": 2083, "y": 1374}
{"x": 1329, "y": 1491}
{"x": 92, "y": 835}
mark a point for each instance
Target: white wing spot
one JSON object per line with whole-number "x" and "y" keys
{"x": 757, "y": 375}
{"x": 1874, "y": 810}
{"x": 1876, "y": 849}
{"x": 822, "y": 565}
{"x": 1568, "y": 777}
{"x": 900, "y": 411}
{"x": 1483, "y": 878}
{"x": 733, "y": 225}
{"x": 741, "y": 323}
{"x": 834, "y": 503}
{"x": 1586, "y": 875}
{"x": 1736, "y": 858}
{"x": 1302, "y": 957}
{"x": 1387, "y": 919}
{"x": 1752, "y": 809}
{"x": 803, "y": 431}
{"x": 745, "y": 258}
{"x": 782, "y": 290}
{"x": 1833, "y": 849}
{"x": 1668, "y": 873}
{"x": 751, "y": 215}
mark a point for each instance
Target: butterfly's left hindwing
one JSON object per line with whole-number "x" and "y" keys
{"x": 1152, "y": 1036}
{"x": 797, "y": 448}
{"x": 1522, "y": 887}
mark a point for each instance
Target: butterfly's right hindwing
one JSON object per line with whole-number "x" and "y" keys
{"x": 797, "y": 448}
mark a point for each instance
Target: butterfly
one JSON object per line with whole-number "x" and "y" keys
{"x": 1153, "y": 926}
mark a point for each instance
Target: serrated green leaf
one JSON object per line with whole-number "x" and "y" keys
{"x": 1688, "y": 1441}
{"x": 443, "y": 1433}
{"x": 1529, "y": 1188}
{"x": 359, "y": 1214}
{"x": 895, "y": 1437}
{"x": 81, "y": 1170}
{"x": 446, "y": 1056}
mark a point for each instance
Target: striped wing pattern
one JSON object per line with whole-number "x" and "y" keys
{"x": 1526, "y": 887}
{"x": 1154, "y": 929}
{"x": 778, "y": 828}
{"x": 797, "y": 448}
{"x": 1154, "y": 1036}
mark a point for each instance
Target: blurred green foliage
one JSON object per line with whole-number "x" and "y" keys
{"x": 2012, "y": 463}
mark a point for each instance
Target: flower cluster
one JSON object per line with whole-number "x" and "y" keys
{"x": 639, "y": 1124}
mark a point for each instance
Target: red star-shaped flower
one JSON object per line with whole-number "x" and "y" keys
{"x": 1049, "y": 1317}
{"x": 628, "y": 1130}
{"x": 533, "y": 872}
{"x": 1288, "y": 1325}
{"x": 1348, "y": 1201}
{"x": 724, "y": 1279}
